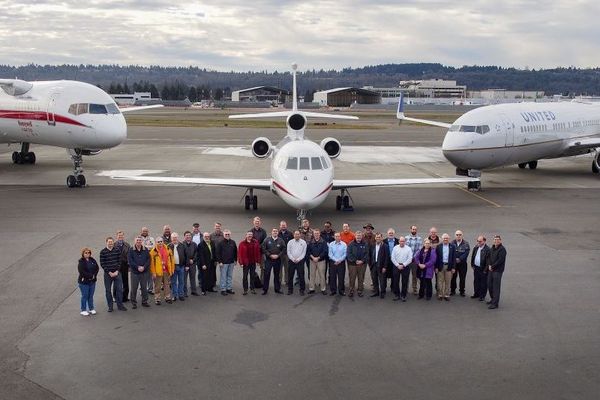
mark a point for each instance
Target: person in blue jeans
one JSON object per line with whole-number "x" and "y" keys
{"x": 226, "y": 258}
{"x": 110, "y": 262}
{"x": 178, "y": 277}
{"x": 88, "y": 271}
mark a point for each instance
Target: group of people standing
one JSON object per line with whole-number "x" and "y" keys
{"x": 167, "y": 266}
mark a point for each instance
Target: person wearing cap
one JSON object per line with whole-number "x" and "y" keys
{"x": 462, "y": 254}
{"x": 415, "y": 242}
{"x": 497, "y": 262}
{"x": 196, "y": 233}
{"x": 191, "y": 250}
{"x": 162, "y": 267}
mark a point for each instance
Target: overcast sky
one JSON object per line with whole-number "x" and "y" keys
{"x": 269, "y": 35}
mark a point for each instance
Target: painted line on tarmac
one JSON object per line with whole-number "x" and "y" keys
{"x": 458, "y": 186}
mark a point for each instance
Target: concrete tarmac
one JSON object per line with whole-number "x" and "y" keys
{"x": 541, "y": 342}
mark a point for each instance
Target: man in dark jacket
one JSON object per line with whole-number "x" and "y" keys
{"x": 123, "y": 247}
{"x": 205, "y": 260}
{"x": 479, "y": 262}
{"x": 379, "y": 260}
{"x": 138, "y": 259}
{"x": 110, "y": 262}
{"x": 226, "y": 258}
{"x": 462, "y": 254}
{"x": 273, "y": 248}
{"x": 317, "y": 254}
{"x": 391, "y": 241}
{"x": 180, "y": 264}
{"x": 259, "y": 234}
{"x": 358, "y": 258}
{"x": 496, "y": 265}
{"x": 190, "y": 249}
{"x": 445, "y": 266}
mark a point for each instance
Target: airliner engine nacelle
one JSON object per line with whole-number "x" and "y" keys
{"x": 262, "y": 147}
{"x": 83, "y": 152}
{"x": 331, "y": 146}
{"x": 296, "y": 122}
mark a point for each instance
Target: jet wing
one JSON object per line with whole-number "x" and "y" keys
{"x": 139, "y": 108}
{"x": 356, "y": 183}
{"x": 400, "y": 115}
{"x": 580, "y": 146}
{"x": 264, "y": 184}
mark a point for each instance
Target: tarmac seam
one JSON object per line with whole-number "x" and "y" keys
{"x": 27, "y": 255}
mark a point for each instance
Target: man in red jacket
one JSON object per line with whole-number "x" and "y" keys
{"x": 249, "y": 258}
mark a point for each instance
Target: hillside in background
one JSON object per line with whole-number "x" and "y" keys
{"x": 566, "y": 81}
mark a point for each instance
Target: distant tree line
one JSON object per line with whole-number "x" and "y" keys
{"x": 199, "y": 83}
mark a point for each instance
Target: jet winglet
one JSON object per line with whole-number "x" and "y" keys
{"x": 400, "y": 111}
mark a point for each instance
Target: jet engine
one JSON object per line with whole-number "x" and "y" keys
{"x": 296, "y": 122}
{"x": 262, "y": 147}
{"x": 331, "y": 146}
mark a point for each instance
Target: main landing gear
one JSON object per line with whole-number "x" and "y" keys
{"x": 24, "y": 156}
{"x": 77, "y": 179}
{"x": 532, "y": 165}
{"x": 250, "y": 200}
{"x": 343, "y": 201}
{"x": 596, "y": 163}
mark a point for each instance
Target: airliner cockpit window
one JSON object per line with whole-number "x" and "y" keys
{"x": 292, "y": 163}
{"x": 483, "y": 129}
{"x": 113, "y": 109}
{"x": 98, "y": 109}
{"x": 315, "y": 163}
{"x": 468, "y": 128}
{"x": 73, "y": 109}
{"x": 82, "y": 108}
{"x": 304, "y": 163}
{"x": 325, "y": 163}
{"x": 454, "y": 128}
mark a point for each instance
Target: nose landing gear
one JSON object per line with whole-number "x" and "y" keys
{"x": 77, "y": 179}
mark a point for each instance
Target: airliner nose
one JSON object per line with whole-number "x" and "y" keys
{"x": 115, "y": 132}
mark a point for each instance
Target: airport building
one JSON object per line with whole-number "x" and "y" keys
{"x": 130, "y": 99}
{"x": 491, "y": 96}
{"x": 261, "y": 94}
{"x": 434, "y": 88}
{"x": 344, "y": 97}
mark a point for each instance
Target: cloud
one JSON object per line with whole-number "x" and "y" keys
{"x": 270, "y": 35}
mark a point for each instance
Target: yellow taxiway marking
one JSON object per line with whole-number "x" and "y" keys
{"x": 493, "y": 203}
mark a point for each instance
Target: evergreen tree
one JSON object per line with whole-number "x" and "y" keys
{"x": 192, "y": 94}
{"x": 219, "y": 94}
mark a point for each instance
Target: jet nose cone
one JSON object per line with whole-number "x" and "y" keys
{"x": 115, "y": 132}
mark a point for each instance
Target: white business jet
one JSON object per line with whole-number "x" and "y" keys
{"x": 77, "y": 116}
{"x": 518, "y": 133}
{"x": 301, "y": 170}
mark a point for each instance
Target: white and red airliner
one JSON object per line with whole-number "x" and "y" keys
{"x": 77, "y": 116}
{"x": 301, "y": 170}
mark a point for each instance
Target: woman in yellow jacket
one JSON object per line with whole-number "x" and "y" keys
{"x": 162, "y": 266}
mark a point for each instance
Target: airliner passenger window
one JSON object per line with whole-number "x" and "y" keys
{"x": 82, "y": 108}
{"x": 325, "y": 163}
{"x": 292, "y": 163}
{"x": 98, "y": 109}
{"x": 315, "y": 163}
{"x": 113, "y": 109}
{"x": 304, "y": 163}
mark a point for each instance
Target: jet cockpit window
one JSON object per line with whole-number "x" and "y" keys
{"x": 113, "y": 109}
{"x": 292, "y": 163}
{"x": 315, "y": 163}
{"x": 304, "y": 163}
{"x": 325, "y": 163}
{"x": 454, "y": 128}
{"x": 82, "y": 108}
{"x": 98, "y": 109}
{"x": 483, "y": 129}
{"x": 468, "y": 128}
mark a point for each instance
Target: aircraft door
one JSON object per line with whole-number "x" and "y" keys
{"x": 509, "y": 130}
{"x": 50, "y": 117}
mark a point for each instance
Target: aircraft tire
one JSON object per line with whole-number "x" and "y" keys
{"x": 71, "y": 181}
{"x": 522, "y": 165}
{"x": 346, "y": 201}
{"x": 15, "y": 157}
{"x": 532, "y": 164}
{"x": 30, "y": 157}
{"x": 338, "y": 203}
{"x": 254, "y": 202}
{"x": 81, "y": 182}
{"x": 247, "y": 202}
{"x": 595, "y": 168}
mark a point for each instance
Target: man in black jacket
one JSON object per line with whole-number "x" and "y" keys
{"x": 205, "y": 260}
{"x": 190, "y": 249}
{"x": 479, "y": 263}
{"x": 445, "y": 266}
{"x": 123, "y": 247}
{"x": 497, "y": 261}
{"x": 379, "y": 260}
{"x": 110, "y": 261}
{"x": 226, "y": 258}
{"x": 462, "y": 254}
{"x": 391, "y": 241}
{"x": 138, "y": 259}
